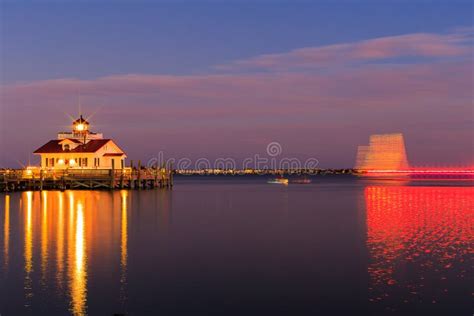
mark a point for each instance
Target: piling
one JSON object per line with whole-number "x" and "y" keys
{"x": 155, "y": 183}
{"x": 171, "y": 174}
{"x": 41, "y": 180}
{"x": 112, "y": 175}
{"x": 139, "y": 174}
{"x": 121, "y": 176}
{"x": 131, "y": 184}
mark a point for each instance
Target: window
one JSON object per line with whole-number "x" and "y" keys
{"x": 46, "y": 162}
{"x": 51, "y": 162}
{"x": 84, "y": 162}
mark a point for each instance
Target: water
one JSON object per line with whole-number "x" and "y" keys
{"x": 240, "y": 246}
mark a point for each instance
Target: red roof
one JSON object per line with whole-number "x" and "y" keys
{"x": 71, "y": 139}
{"x": 53, "y": 146}
{"x": 113, "y": 154}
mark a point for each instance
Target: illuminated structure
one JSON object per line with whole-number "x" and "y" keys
{"x": 385, "y": 152}
{"x": 81, "y": 148}
{"x": 386, "y": 156}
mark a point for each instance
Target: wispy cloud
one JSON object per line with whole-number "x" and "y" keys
{"x": 307, "y": 111}
{"x": 457, "y": 43}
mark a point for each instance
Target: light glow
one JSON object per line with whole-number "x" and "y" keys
{"x": 415, "y": 228}
{"x": 386, "y": 156}
{"x": 29, "y": 233}
{"x": 44, "y": 234}
{"x": 60, "y": 240}
{"x": 124, "y": 230}
{"x": 123, "y": 243}
{"x": 28, "y": 247}
{"x": 385, "y": 151}
{"x": 6, "y": 230}
{"x": 78, "y": 272}
{"x": 427, "y": 171}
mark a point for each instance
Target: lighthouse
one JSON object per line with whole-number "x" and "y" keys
{"x": 81, "y": 149}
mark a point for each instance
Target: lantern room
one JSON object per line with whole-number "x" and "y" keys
{"x": 80, "y": 126}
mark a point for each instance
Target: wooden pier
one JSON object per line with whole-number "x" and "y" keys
{"x": 85, "y": 179}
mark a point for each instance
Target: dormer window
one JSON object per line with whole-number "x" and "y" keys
{"x": 69, "y": 144}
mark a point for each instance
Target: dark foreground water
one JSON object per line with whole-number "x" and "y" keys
{"x": 240, "y": 246}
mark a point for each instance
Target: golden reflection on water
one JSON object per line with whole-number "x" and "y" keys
{"x": 28, "y": 254}
{"x": 44, "y": 234}
{"x": 60, "y": 241}
{"x": 123, "y": 230}
{"x": 123, "y": 245}
{"x": 67, "y": 228}
{"x": 78, "y": 270}
{"x": 6, "y": 231}
{"x": 417, "y": 236}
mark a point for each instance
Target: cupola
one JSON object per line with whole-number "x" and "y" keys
{"x": 80, "y": 126}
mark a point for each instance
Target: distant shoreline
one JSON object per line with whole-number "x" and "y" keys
{"x": 264, "y": 172}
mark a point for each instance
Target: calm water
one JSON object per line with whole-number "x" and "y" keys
{"x": 222, "y": 246}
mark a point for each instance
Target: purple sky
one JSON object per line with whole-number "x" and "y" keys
{"x": 318, "y": 100}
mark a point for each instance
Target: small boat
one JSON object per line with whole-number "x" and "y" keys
{"x": 278, "y": 181}
{"x": 304, "y": 180}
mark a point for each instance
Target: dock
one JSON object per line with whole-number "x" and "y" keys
{"x": 31, "y": 179}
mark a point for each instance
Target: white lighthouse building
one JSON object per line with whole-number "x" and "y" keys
{"x": 81, "y": 149}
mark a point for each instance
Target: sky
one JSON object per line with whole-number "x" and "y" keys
{"x": 217, "y": 79}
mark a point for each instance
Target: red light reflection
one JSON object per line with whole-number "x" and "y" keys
{"x": 419, "y": 241}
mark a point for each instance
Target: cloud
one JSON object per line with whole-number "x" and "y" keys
{"x": 374, "y": 83}
{"x": 324, "y": 114}
{"x": 424, "y": 45}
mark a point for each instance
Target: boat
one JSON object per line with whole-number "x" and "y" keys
{"x": 278, "y": 181}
